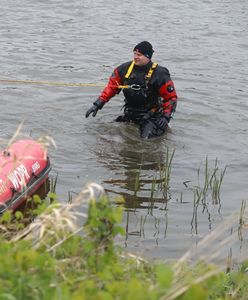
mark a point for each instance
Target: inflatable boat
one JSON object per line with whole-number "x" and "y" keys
{"x": 24, "y": 167}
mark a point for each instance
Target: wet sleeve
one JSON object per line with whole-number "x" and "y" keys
{"x": 169, "y": 96}
{"x": 112, "y": 88}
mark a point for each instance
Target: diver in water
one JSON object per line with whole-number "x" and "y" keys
{"x": 150, "y": 95}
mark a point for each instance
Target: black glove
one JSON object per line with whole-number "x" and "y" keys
{"x": 98, "y": 104}
{"x": 147, "y": 116}
{"x": 163, "y": 121}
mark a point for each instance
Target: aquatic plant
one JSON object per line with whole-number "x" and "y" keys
{"x": 212, "y": 182}
{"x": 165, "y": 171}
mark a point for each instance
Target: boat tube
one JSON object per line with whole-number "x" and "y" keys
{"x": 24, "y": 167}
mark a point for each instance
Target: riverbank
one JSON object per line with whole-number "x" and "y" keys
{"x": 65, "y": 253}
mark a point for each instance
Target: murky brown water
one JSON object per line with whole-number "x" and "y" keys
{"x": 203, "y": 44}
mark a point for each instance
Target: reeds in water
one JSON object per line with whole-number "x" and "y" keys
{"x": 213, "y": 179}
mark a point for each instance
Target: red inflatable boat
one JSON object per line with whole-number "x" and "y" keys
{"x": 24, "y": 167}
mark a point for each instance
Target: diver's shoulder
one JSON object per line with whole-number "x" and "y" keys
{"x": 162, "y": 70}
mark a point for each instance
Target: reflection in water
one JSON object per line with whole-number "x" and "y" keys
{"x": 139, "y": 176}
{"x": 140, "y": 172}
{"x": 138, "y": 166}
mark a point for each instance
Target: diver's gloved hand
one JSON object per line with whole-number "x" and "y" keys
{"x": 163, "y": 121}
{"x": 147, "y": 116}
{"x": 98, "y": 104}
{"x": 93, "y": 110}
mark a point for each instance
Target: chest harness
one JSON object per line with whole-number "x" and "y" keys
{"x": 139, "y": 96}
{"x": 148, "y": 76}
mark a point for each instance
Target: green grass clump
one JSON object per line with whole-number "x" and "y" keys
{"x": 67, "y": 254}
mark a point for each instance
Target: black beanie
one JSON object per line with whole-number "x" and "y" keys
{"x": 145, "y": 48}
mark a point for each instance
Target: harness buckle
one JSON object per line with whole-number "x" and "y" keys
{"x": 135, "y": 87}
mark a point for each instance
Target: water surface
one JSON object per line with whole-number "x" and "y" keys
{"x": 203, "y": 44}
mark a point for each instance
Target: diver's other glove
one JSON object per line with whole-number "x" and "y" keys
{"x": 163, "y": 121}
{"x": 98, "y": 104}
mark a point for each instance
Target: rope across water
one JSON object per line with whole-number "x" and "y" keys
{"x": 54, "y": 83}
